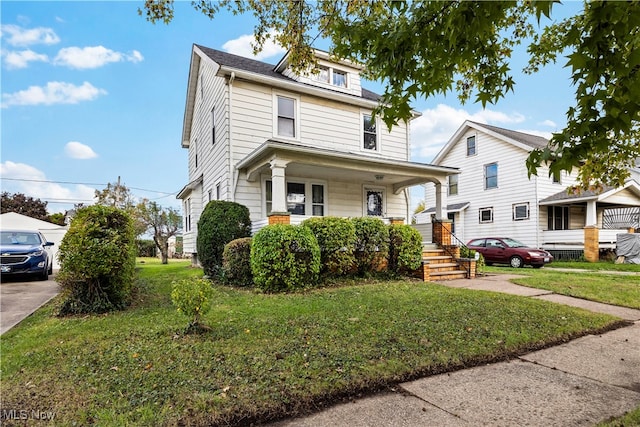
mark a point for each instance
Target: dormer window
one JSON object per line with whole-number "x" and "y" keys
{"x": 339, "y": 78}
{"x": 321, "y": 74}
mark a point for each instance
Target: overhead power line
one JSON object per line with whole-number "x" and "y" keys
{"x": 85, "y": 183}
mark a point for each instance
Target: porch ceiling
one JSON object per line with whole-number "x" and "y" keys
{"x": 310, "y": 162}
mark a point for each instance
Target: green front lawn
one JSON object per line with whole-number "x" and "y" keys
{"x": 266, "y": 356}
{"x": 594, "y": 285}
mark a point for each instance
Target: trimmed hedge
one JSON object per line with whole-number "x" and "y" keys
{"x": 336, "y": 238}
{"x": 372, "y": 243}
{"x": 405, "y": 248}
{"x": 97, "y": 258}
{"x": 284, "y": 258}
{"x": 220, "y": 223}
{"x": 236, "y": 262}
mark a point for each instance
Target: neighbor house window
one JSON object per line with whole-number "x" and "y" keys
{"x": 491, "y": 176}
{"x": 301, "y": 197}
{"x": 558, "y": 217}
{"x": 286, "y": 117}
{"x": 213, "y": 126}
{"x": 453, "y": 185}
{"x": 520, "y": 211}
{"x": 374, "y": 202}
{"x": 471, "y": 146}
{"x": 556, "y": 179}
{"x": 339, "y": 78}
{"x": 485, "y": 215}
{"x": 369, "y": 133}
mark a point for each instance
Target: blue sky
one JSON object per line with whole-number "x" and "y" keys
{"x": 91, "y": 92}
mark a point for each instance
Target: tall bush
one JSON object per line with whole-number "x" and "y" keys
{"x": 372, "y": 243}
{"x": 97, "y": 260}
{"x": 336, "y": 238}
{"x": 236, "y": 262}
{"x": 405, "y": 248}
{"x": 284, "y": 258}
{"x": 220, "y": 223}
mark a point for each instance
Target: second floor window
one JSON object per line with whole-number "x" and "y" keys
{"x": 213, "y": 126}
{"x": 195, "y": 152}
{"x": 339, "y": 78}
{"x": 471, "y": 146}
{"x": 286, "y": 117}
{"x": 491, "y": 176}
{"x": 370, "y": 134}
{"x": 321, "y": 74}
{"x": 453, "y": 185}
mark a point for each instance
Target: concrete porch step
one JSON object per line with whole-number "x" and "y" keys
{"x": 436, "y": 276}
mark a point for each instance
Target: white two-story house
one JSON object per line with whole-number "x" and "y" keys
{"x": 493, "y": 195}
{"x": 293, "y": 146}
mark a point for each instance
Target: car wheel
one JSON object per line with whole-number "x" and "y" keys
{"x": 44, "y": 275}
{"x": 516, "y": 262}
{"x": 51, "y": 269}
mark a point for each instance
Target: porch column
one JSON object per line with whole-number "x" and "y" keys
{"x": 591, "y": 234}
{"x": 278, "y": 186}
{"x": 441, "y": 201}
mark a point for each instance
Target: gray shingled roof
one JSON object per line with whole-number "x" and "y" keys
{"x": 533, "y": 141}
{"x": 450, "y": 208}
{"x": 564, "y": 195}
{"x": 263, "y": 68}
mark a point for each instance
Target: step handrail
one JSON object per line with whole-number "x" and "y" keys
{"x": 448, "y": 251}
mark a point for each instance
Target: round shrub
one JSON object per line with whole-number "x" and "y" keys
{"x": 284, "y": 258}
{"x": 97, "y": 261}
{"x": 236, "y": 262}
{"x": 220, "y": 223}
{"x": 405, "y": 248}
{"x": 336, "y": 238}
{"x": 372, "y": 243}
{"x": 192, "y": 297}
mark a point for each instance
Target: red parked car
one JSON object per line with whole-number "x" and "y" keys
{"x": 504, "y": 250}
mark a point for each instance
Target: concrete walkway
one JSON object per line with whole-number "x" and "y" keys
{"x": 579, "y": 383}
{"x": 19, "y": 298}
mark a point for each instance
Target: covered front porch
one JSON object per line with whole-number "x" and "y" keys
{"x": 295, "y": 182}
{"x": 589, "y": 221}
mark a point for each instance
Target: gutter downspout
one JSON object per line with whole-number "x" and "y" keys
{"x": 233, "y": 174}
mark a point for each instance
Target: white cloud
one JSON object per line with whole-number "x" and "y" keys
{"x": 31, "y": 182}
{"x": 53, "y": 93}
{"x": 78, "y": 150}
{"x": 434, "y": 128}
{"x": 243, "y": 46}
{"x": 544, "y": 134}
{"x": 549, "y": 123}
{"x": 15, "y": 35}
{"x": 93, "y": 57}
{"x": 21, "y": 59}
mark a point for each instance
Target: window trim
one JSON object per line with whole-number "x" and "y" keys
{"x": 475, "y": 145}
{"x": 365, "y": 210}
{"x": 213, "y": 125}
{"x": 486, "y": 209}
{"x": 333, "y": 72}
{"x": 514, "y": 210}
{"x": 308, "y": 194}
{"x": 364, "y": 113}
{"x": 551, "y": 219}
{"x": 187, "y": 216}
{"x": 296, "y": 118}
{"x": 486, "y": 177}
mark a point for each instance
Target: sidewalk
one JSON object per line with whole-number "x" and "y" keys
{"x": 579, "y": 383}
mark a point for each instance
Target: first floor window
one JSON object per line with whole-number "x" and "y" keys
{"x": 558, "y": 217}
{"x": 485, "y": 215}
{"x": 520, "y": 211}
{"x": 187, "y": 215}
{"x": 301, "y": 198}
{"x": 453, "y": 185}
{"x": 374, "y": 200}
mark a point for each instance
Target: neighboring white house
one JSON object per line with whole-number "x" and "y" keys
{"x": 493, "y": 195}
{"x": 292, "y": 146}
{"x": 52, "y": 232}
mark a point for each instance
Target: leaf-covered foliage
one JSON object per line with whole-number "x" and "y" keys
{"x": 425, "y": 48}
{"x": 372, "y": 243}
{"x": 163, "y": 222}
{"x": 97, "y": 261}
{"x": 284, "y": 258}
{"x": 24, "y": 205}
{"x": 220, "y": 222}
{"x": 405, "y": 248}
{"x": 236, "y": 262}
{"x": 192, "y": 297}
{"x": 336, "y": 238}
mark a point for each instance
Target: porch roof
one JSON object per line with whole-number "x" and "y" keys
{"x": 455, "y": 207}
{"x": 628, "y": 194}
{"x": 187, "y": 189}
{"x": 305, "y": 161}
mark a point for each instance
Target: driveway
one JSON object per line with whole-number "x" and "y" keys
{"x": 20, "y": 297}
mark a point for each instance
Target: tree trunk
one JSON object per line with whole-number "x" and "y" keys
{"x": 165, "y": 253}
